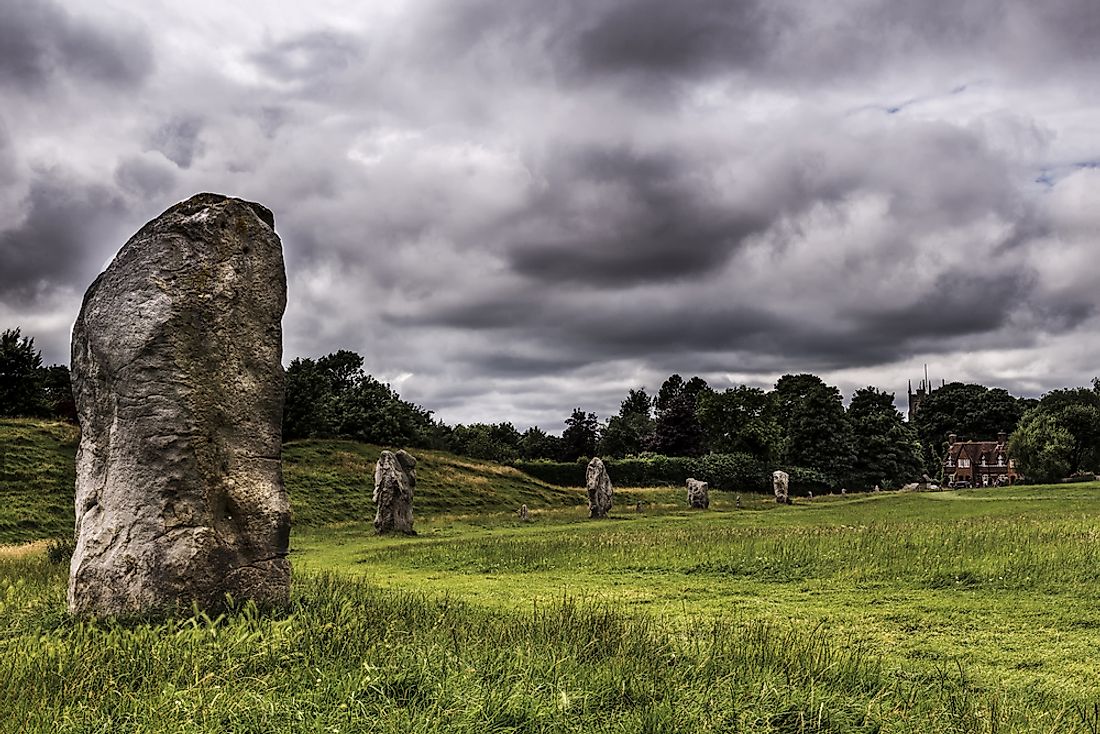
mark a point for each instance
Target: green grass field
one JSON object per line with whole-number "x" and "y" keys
{"x": 970, "y": 611}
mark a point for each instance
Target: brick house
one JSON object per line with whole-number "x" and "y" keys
{"x": 979, "y": 463}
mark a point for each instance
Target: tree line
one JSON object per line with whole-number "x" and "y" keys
{"x": 801, "y": 422}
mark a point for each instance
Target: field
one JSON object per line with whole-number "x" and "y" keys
{"x": 970, "y": 611}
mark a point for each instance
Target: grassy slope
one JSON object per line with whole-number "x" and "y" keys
{"x": 328, "y": 482}
{"x": 332, "y": 481}
{"x": 36, "y": 479}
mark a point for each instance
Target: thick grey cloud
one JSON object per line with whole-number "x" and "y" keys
{"x": 513, "y": 209}
{"x": 55, "y": 244}
{"x": 41, "y": 42}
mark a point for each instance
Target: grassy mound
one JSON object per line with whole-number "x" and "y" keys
{"x": 328, "y": 482}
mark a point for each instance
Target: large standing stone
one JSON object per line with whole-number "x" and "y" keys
{"x": 599, "y": 488}
{"x": 177, "y": 375}
{"x": 780, "y": 483}
{"x": 394, "y": 484}
{"x": 697, "y": 495}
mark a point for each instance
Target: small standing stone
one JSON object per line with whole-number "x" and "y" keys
{"x": 599, "y": 489}
{"x": 843, "y": 491}
{"x": 638, "y": 508}
{"x": 394, "y": 484}
{"x": 810, "y": 494}
{"x": 524, "y": 516}
{"x": 697, "y": 495}
{"x": 780, "y": 484}
{"x": 878, "y": 488}
{"x": 738, "y": 503}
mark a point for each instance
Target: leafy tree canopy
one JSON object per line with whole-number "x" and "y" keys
{"x": 816, "y": 433}
{"x": 886, "y": 449}
{"x": 631, "y": 431}
{"x": 581, "y": 435}
{"x": 1041, "y": 447}
{"x": 677, "y": 431}
{"x": 740, "y": 420}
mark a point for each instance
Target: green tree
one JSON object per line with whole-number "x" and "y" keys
{"x": 57, "y": 391}
{"x": 631, "y": 431}
{"x": 21, "y": 377}
{"x": 1078, "y": 411}
{"x": 886, "y": 448}
{"x": 332, "y": 397}
{"x": 492, "y": 441}
{"x": 740, "y": 420}
{"x": 677, "y": 431}
{"x": 581, "y": 435}
{"x": 816, "y": 433}
{"x": 536, "y": 443}
{"x": 1041, "y": 447}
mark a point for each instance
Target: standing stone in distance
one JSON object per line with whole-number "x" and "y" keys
{"x": 178, "y": 381}
{"x": 697, "y": 495}
{"x": 394, "y": 483}
{"x": 524, "y": 514}
{"x": 599, "y": 489}
{"x": 780, "y": 482}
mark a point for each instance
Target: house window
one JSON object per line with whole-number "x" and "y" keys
{"x": 1000, "y": 459}
{"x": 983, "y": 459}
{"x": 964, "y": 463}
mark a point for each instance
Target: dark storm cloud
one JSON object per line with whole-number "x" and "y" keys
{"x": 682, "y": 39}
{"x": 617, "y": 216}
{"x": 57, "y": 243}
{"x": 652, "y": 48}
{"x": 40, "y": 40}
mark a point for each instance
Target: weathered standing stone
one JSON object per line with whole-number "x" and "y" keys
{"x": 394, "y": 484}
{"x": 523, "y": 513}
{"x": 780, "y": 483}
{"x": 177, "y": 375}
{"x": 697, "y": 495}
{"x": 599, "y": 488}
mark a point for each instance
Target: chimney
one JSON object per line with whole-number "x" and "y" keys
{"x": 951, "y": 439}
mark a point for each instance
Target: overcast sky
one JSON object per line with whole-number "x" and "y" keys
{"x": 514, "y": 208}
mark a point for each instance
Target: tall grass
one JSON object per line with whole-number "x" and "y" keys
{"x": 348, "y": 657}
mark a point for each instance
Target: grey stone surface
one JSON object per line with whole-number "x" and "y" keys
{"x": 394, "y": 486}
{"x": 178, "y": 380}
{"x": 524, "y": 514}
{"x": 600, "y": 490}
{"x": 697, "y": 495}
{"x": 780, "y": 484}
